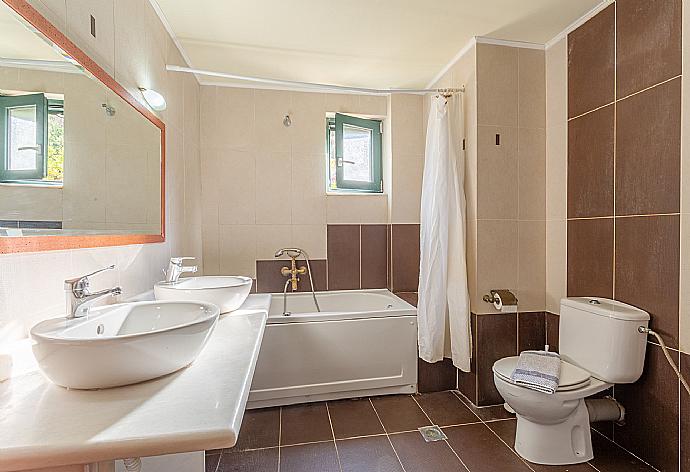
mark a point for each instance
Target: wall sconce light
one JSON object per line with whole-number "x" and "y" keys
{"x": 154, "y": 99}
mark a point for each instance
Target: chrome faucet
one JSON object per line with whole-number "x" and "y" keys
{"x": 293, "y": 253}
{"x": 79, "y": 297}
{"x": 175, "y": 269}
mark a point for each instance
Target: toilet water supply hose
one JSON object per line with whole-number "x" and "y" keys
{"x": 645, "y": 330}
{"x": 132, "y": 464}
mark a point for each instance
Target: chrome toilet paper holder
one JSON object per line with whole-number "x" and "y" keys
{"x": 500, "y": 297}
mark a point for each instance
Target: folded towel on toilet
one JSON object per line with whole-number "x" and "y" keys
{"x": 538, "y": 370}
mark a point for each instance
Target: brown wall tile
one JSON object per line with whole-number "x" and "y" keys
{"x": 531, "y": 330}
{"x": 270, "y": 280}
{"x": 685, "y": 415}
{"x": 436, "y": 377}
{"x": 343, "y": 257}
{"x": 590, "y": 164}
{"x": 591, "y": 63}
{"x": 651, "y": 429}
{"x": 405, "y": 257}
{"x": 647, "y": 269}
{"x": 552, "y": 322}
{"x": 373, "y": 260}
{"x": 467, "y": 381}
{"x": 590, "y": 258}
{"x": 648, "y": 151}
{"x": 496, "y": 338}
{"x": 648, "y": 43}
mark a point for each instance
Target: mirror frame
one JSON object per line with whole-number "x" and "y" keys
{"x": 55, "y": 243}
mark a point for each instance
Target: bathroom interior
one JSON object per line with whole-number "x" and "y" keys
{"x": 364, "y": 237}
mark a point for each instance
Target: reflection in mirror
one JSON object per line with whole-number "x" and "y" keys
{"x": 75, "y": 158}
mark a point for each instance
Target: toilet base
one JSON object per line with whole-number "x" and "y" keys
{"x": 569, "y": 442}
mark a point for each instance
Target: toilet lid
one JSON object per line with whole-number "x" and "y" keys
{"x": 572, "y": 377}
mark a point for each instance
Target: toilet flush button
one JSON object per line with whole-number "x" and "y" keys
{"x": 594, "y": 301}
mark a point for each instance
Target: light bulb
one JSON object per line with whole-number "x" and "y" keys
{"x": 154, "y": 99}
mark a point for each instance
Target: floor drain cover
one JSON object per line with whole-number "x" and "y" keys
{"x": 432, "y": 433}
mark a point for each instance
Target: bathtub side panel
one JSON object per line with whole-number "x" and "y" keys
{"x": 332, "y": 359}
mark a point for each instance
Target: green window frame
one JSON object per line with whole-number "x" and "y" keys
{"x": 375, "y": 182}
{"x": 40, "y": 103}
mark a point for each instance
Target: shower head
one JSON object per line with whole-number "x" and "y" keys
{"x": 292, "y": 252}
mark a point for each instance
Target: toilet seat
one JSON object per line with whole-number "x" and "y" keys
{"x": 572, "y": 377}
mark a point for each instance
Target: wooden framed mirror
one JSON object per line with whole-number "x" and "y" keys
{"x": 82, "y": 161}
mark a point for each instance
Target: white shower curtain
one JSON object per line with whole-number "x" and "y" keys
{"x": 444, "y": 308}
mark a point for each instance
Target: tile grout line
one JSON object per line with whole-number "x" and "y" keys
{"x": 280, "y": 433}
{"x": 445, "y": 440}
{"x": 621, "y": 447}
{"x": 335, "y": 443}
{"x": 387, "y": 436}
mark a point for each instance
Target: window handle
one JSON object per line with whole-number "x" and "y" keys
{"x": 349, "y": 162}
{"x": 36, "y": 148}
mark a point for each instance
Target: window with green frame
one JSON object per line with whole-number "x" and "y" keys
{"x": 31, "y": 138}
{"x": 354, "y": 154}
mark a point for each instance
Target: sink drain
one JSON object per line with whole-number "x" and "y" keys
{"x": 432, "y": 433}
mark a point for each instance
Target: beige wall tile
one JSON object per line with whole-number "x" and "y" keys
{"x": 311, "y": 238}
{"x": 273, "y": 188}
{"x": 308, "y": 130}
{"x": 531, "y": 174}
{"x": 355, "y": 209}
{"x": 497, "y": 173}
{"x": 557, "y": 171}
{"x": 237, "y": 250}
{"x": 270, "y": 238}
{"x": 309, "y": 189}
{"x": 531, "y": 265}
{"x": 497, "y": 85}
{"x": 532, "y": 88}
{"x": 557, "y": 83}
{"x": 102, "y": 47}
{"x": 235, "y": 119}
{"x": 236, "y": 187}
{"x": 556, "y": 264}
{"x": 210, "y": 236}
{"x": 54, "y": 10}
{"x": 406, "y": 188}
{"x": 270, "y": 108}
{"x": 407, "y": 124}
{"x": 210, "y": 184}
{"x": 497, "y": 257}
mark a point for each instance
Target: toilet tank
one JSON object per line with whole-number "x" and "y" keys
{"x": 601, "y": 336}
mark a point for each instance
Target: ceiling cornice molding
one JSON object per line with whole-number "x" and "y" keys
{"x": 168, "y": 27}
{"x": 509, "y": 43}
{"x": 465, "y": 49}
{"x": 577, "y": 23}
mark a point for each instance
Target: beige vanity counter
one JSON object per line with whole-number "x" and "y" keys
{"x": 200, "y": 407}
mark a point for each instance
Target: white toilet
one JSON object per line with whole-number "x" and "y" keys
{"x": 600, "y": 345}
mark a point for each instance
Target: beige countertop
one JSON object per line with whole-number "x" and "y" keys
{"x": 199, "y": 407}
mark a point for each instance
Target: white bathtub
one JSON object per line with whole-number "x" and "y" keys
{"x": 363, "y": 342}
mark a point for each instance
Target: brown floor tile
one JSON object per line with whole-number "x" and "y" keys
{"x": 260, "y": 428}
{"x": 212, "y": 462}
{"x": 418, "y": 455}
{"x": 506, "y": 431}
{"x": 373, "y": 454}
{"x": 320, "y": 457}
{"x": 482, "y": 451}
{"x": 353, "y": 418}
{"x": 445, "y": 409}
{"x": 261, "y": 460}
{"x": 487, "y": 413}
{"x": 305, "y": 423}
{"x": 608, "y": 457}
{"x": 399, "y": 413}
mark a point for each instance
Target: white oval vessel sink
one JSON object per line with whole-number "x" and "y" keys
{"x": 122, "y": 344}
{"x": 228, "y": 292}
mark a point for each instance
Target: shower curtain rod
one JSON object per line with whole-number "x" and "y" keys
{"x": 313, "y": 86}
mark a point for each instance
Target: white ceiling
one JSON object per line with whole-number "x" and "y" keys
{"x": 364, "y": 43}
{"x": 18, "y": 41}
